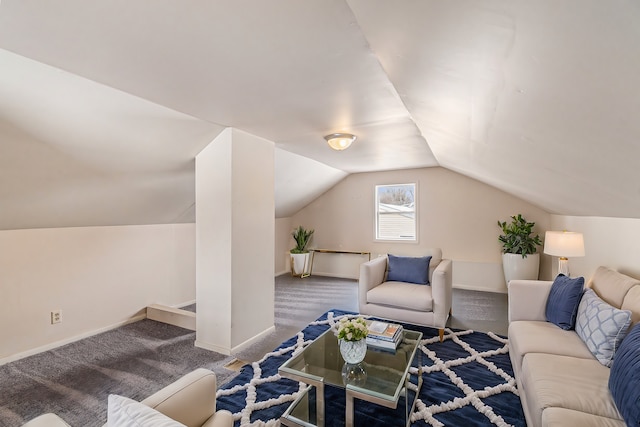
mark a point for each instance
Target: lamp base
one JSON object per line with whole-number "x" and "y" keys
{"x": 563, "y": 266}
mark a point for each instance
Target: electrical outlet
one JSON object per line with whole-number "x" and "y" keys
{"x": 56, "y": 316}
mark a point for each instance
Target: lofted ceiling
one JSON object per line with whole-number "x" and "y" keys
{"x": 104, "y": 105}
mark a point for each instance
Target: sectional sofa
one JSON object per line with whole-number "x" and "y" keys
{"x": 561, "y": 380}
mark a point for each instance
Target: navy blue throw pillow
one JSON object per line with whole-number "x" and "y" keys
{"x": 409, "y": 269}
{"x": 562, "y": 304}
{"x": 625, "y": 377}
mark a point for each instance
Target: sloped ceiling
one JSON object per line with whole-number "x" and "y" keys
{"x": 104, "y": 105}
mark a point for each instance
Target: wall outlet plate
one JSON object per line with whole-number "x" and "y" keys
{"x": 56, "y": 316}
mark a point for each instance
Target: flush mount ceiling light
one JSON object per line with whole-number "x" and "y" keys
{"x": 340, "y": 141}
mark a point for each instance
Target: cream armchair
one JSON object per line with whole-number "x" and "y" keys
{"x": 427, "y": 305}
{"x": 191, "y": 400}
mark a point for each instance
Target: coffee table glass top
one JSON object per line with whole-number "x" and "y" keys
{"x": 381, "y": 375}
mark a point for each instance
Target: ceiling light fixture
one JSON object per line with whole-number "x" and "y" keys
{"x": 340, "y": 141}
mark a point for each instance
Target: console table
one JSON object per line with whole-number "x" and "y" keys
{"x": 333, "y": 251}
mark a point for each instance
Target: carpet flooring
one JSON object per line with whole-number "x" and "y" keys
{"x": 74, "y": 380}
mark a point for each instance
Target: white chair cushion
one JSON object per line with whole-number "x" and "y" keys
{"x": 403, "y": 295}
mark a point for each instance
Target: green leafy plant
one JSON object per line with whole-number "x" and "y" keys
{"x": 302, "y": 238}
{"x": 352, "y": 329}
{"x": 517, "y": 238}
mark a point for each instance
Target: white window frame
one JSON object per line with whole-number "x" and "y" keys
{"x": 377, "y": 234}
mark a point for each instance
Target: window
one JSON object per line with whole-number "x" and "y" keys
{"x": 396, "y": 212}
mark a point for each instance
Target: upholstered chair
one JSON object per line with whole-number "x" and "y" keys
{"x": 416, "y": 303}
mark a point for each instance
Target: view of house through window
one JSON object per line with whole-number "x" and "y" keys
{"x": 396, "y": 212}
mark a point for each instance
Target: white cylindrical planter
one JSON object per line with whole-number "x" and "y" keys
{"x": 299, "y": 264}
{"x": 516, "y": 267}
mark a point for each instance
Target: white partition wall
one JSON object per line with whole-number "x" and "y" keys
{"x": 234, "y": 241}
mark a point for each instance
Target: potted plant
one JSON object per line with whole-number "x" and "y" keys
{"x": 519, "y": 247}
{"x": 300, "y": 254}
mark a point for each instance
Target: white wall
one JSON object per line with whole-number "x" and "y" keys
{"x": 456, "y": 213}
{"x": 98, "y": 276}
{"x": 235, "y": 241}
{"x": 283, "y": 244}
{"x": 610, "y": 242}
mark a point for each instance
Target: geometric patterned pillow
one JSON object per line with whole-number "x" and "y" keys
{"x": 601, "y": 326}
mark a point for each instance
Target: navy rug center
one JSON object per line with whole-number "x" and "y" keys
{"x": 467, "y": 381}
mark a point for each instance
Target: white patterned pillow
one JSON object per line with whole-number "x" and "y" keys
{"x": 124, "y": 412}
{"x": 601, "y": 326}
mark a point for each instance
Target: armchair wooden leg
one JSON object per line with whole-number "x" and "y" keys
{"x": 450, "y": 311}
{"x": 441, "y": 334}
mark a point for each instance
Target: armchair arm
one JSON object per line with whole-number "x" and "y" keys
{"x": 191, "y": 400}
{"x": 442, "y": 292}
{"x": 46, "y": 420}
{"x": 528, "y": 299}
{"x": 371, "y": 275}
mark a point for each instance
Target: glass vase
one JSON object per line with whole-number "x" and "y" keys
{"x": 353, "y": 352}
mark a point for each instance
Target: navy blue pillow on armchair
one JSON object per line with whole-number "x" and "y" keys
{"x": 625, "y": 377}
{"x": 562, "y": 304}
{"x": 408, "y": 269}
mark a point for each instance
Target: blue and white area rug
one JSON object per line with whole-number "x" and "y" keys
{"x": 468, "y": 381}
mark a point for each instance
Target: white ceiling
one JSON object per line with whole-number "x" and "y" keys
{"x": 104, "y": 104}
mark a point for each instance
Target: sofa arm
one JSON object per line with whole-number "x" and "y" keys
{"x": 46, "y": 420}
{"x": 371, "y": 275}
{"x": 528, "y": 299}
{"x": 191, "y": 400}
{"x": 442, "y": 292}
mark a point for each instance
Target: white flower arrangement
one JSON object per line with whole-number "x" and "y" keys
{"x": 352, "y": 329}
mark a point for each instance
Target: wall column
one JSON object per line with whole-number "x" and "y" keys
{"x": 235, "y": 233}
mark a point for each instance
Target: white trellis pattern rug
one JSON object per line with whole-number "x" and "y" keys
{"x": 468, "y": 380}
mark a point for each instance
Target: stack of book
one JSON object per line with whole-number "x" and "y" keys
{"x": 383, "y": 335}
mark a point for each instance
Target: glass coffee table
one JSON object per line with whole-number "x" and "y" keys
{"x": 382, "y": 378}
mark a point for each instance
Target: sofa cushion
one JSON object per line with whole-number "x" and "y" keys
{"x": 528, "y": 336}
{"x": 611, "y": 286}
{"x": 625, "y": 377}
{"x": 401, "y": 294}
{"x": 124, "y": 412}
{"x": 632, "y": 303}
{"x": 567, "y": 382}
{"x": 562, "y": 417}
{"x": 601, "y": 326}
{"x": 408, "y": 269}
{"x": 563, "y": 300}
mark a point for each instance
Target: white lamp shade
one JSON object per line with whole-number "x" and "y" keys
{"x": 566, "y": 244}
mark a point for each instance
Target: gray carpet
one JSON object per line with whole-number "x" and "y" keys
{"x": 75, "y": 380}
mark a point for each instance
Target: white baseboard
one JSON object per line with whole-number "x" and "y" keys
{"x": 66, "y": 341}
{"x": 253, "y": 340}
{"x": 172, "y": 316}
{"x": 238, "y": 348}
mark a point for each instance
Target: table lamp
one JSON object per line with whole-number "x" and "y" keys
{"x": 563, "y": 244}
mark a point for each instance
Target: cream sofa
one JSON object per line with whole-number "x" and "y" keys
{"x": 559, "y": 380}
{"x": 428, "y": 305}
{"x": 191, "y": 400}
